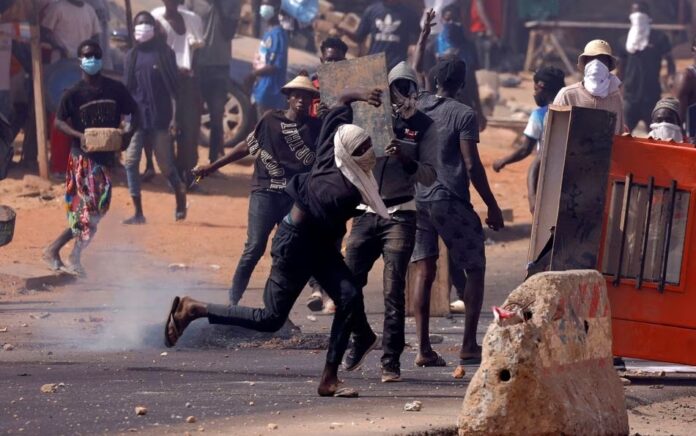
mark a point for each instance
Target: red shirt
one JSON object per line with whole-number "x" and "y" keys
{"x": 494, "y": 12}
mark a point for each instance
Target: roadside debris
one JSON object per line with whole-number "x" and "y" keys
{"x": 436, "y": 339}
{"x": 177, "y": 267}
{"x": 49, "y": 388}
{"x": 272, "y": 426}
{"x": 413, "y": 406}
{"x": 8, "y": 347}
{"x": 140, "y": 410}
{"x": 164, "y": 354}
{"x": 43, "y": 315}
{"x": 3, "y": 330}
{"x": 191, "y": 419}
{"x": 459, "y": 372}
{"x": 215, "y": 267}
{"x": 335, "y": 425}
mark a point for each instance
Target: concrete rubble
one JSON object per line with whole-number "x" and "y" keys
{"x": 549, "y": 370}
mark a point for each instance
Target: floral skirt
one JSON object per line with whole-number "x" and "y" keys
{"x": 87, "y": 195}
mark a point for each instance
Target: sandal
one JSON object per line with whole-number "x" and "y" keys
{"x": 433, "y": 360}
{"x": 168, "y": 342}
{"x": 342, "y": 393}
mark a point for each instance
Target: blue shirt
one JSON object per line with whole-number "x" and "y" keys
{"x": 535, "y": 125}
{"x": 273, "y": 50}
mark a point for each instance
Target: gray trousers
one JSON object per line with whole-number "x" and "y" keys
{"x": 163, "y": 147}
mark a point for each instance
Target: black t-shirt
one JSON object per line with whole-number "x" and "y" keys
{"x": 84, "y": 106}
{"x": 392, "y": 29}
{"x": 324, "y": 193}
{"x": 282, "y": 148}
{"x": 641, "y": 80}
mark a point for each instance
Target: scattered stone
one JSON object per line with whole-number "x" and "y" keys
{"x": 272, "y": 426}
{"x": 96, "y": 319}
{"x": 312, "y": 318}
{"x": 661, "y": 374}
{"x": 437, "y": 339}
{"x": 459, "y": 372}
{"x": 625, "y": 381}
{"x": 140, "y": 410}
{"x": 413, "y": 406}
{"x": 8, "y": 347}
{"x": 215, "y": 267}
{"x": 24, "y": 324}
{"x": 3, "y": 330}
{"x": 251, "y": 403}
{"x": 335, "y": 425}
{"x": 657, "y": 387}
{"x": 188, "y": 405}
{"x": 49, "y": 388}
{"x": 191, "y": 419}
{"x": 39, "y": 315}
{"x": 177, "y": 266}
{"x": 164, "y": 354}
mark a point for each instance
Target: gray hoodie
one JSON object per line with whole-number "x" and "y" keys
{"x": 418, "y": 135}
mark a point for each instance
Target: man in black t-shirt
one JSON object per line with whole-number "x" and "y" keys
{"x": 408, "y": 161}
{"x": 94, "y": 102}
{"x": 641, "y": 52}
{"x": 392, "y": 27}
{"x": 283, "y": 144}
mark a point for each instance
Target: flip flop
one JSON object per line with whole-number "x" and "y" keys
{"x": 170, "y": 320}
{"x": 346, "y": 393}
{"x": 434, "y": 361}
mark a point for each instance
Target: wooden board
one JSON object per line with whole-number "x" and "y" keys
{"x": 572, "y": 188}
{"x": 366, "y": 72}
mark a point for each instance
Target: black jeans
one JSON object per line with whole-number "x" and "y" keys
{"x": 297, "y": 254}
{"x": 214, "y": 81}
{"x": 266, "y": 210}
{"x": 393, "y": 239}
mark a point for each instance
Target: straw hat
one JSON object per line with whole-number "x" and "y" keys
{"x": 597, "y": 47}
{"x": 301, "y": 83}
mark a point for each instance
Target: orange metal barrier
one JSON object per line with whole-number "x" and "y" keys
{"x": 646, "y": 256}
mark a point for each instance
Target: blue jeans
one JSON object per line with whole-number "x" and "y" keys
{"x": 266, "y": 210}
{"x": 164, "y": 153}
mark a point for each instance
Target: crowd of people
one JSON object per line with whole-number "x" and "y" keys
{"x": 314, "y": 169}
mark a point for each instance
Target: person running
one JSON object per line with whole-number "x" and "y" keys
{"x": 324, "y": 200}
{"x": 283, "y": 144}
{"x": 94, "y": 102}
{"x": 547, "y": 82}
{"x": 151, "y": 77}
{"x": 445, "y": 211}
{"x": 407, "y": 161}
{"x": 640, "y": 55}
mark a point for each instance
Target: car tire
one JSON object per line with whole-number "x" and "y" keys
{"x": 238, "y": 120}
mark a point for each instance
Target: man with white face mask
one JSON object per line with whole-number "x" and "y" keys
{"x": 599, "y": 89}
{"x": 666, "y": 122}
{"x": 151, "y": 76}
{"x": 640, "y": 61}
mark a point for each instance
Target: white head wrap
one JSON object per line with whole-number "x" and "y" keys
{"x": 358, "y": 169}
{"x": 598, "y": 80}
{"x": 639, "y": 33}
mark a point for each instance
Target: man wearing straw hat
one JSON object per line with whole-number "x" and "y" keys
{"x": 283, "y": 144}
{"x": 599, "y": 89}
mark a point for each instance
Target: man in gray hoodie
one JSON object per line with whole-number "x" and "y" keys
{"x": 406, "y": 163}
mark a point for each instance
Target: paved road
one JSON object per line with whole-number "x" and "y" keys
{"x": 101, "y": 339}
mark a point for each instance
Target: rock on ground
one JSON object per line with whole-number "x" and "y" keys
{"x": 551, "y": 374}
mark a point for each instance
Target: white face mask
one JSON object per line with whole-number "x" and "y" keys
{"x": 666, "y": 132}
{"x": 144, "y": 32}
{"x": 367, "y": 160}
{"x": 596, "y": 79}
{"x": 639, "y": 33}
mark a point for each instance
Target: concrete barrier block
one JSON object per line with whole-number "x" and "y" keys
{"x": 549, "y": 371}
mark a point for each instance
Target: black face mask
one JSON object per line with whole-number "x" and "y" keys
{"x": 540, "y": 100}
